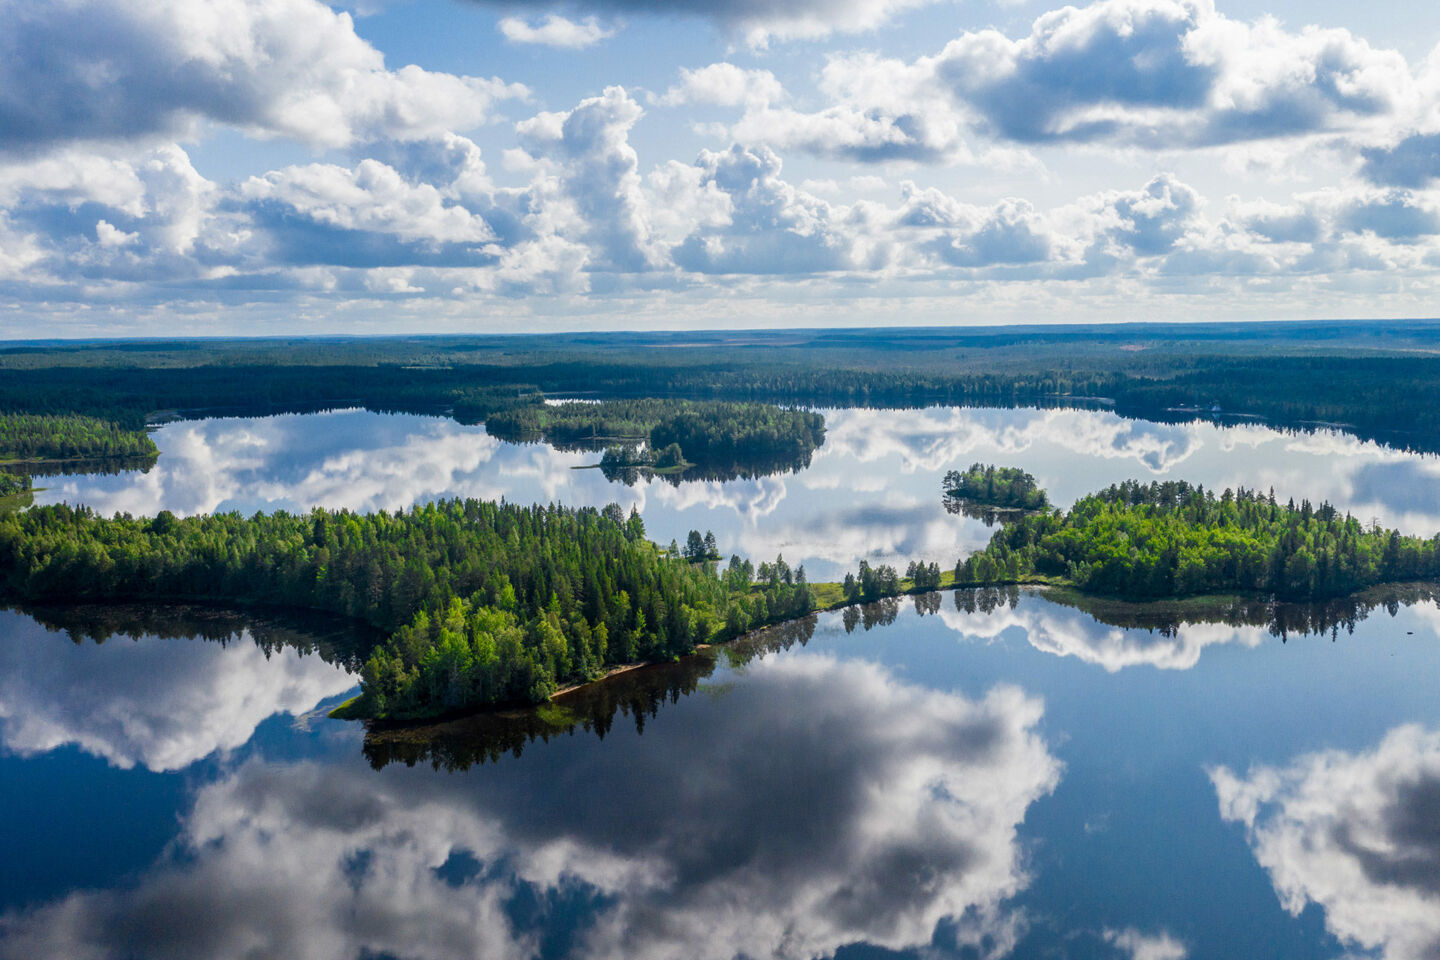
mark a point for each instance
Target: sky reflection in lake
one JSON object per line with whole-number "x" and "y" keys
{"x": 1007, "y": 778}
{"x": 871, "y": 491}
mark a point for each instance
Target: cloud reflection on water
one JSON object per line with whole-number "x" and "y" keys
{"x": 811, "y": 804}
{"x": 872, "y": 490}
{"x": 159, "y": 703}
{"x": 1356, "y": 833}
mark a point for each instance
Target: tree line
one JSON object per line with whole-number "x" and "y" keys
{"x": 706, "y": 433}
{"x": 481, "y": 603}
{"x": 1142, "y": 541}
{"x": 70, "y": 437}
{"x": 1008, "y": 488}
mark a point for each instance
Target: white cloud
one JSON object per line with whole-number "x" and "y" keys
{"x": 757, "y": 22}
{"x": 126, "y": 70}
{"x": 724, "y": 84}
{"x": 1157, "y": 74}
{"x": 1147, "y": 946}
{"x": 772, "y": 227}
{"x": 371, "y": 197}
{"x": 555, "y": 31}
{"x": 596, "y": 170}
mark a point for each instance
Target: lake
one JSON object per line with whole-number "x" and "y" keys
{"x": 872, "y": 490}
{"x": 968, "y": 774}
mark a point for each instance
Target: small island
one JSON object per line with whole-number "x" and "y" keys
{"x": 668, "y": 436}
{"x": 1005, "y": 488}
{"x": 1140, "y": 541}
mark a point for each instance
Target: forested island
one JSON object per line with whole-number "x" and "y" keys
{"x": 713, "y": 435}
{"x": 481, "y": 603}
{"x": 32, "y": 437}
{"x": 1003, "y": 488}
{"x": 1171, "y": 539}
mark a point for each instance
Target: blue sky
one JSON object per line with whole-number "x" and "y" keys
{"x": 288, "y": 166}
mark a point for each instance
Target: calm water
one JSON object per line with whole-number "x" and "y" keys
{"x": 933, "y": 781}
{"x": 960, "y": 775}
{"x": 871, "y": 491}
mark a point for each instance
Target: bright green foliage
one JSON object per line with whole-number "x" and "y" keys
{"x": 69, "y": 437}
{"x": 484, "y": 603}
{"x": 1005, "y": 487}
{"x": 13, "y": 483}
{"x": 871, "y": 583}
{"x": 1172, "y": 539}
{"x": 923, "y": 576}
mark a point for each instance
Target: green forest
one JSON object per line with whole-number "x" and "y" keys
{"x": 1171, "y": 539}
{"x": 706, "y": 433}
{"x": 70, "y": 437}
{"x": 1008, "y": 488}
{"x": 481, "y": 603}
{"x": 14, "y": 483}
{"x": 1380, "y": 382}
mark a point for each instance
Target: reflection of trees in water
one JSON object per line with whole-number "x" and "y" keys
{"x": 747, "y": 468}
{"x": 637, "y": 695}
{"x": 1167, "y": 617}
{"x": 987, "y": 599}
{"x": 335, "y": 640}
{"x": 984, "y": 512}
{"x": 105, "y": 466}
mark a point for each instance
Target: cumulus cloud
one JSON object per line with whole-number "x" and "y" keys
{"x": 597, "y": 170}
{"x": 1353, "y": 833}
{"x": 839, "y": 804}
{"x": 1413, "y": 162}
{"x": 1147, "y": 946}
{"x": 756, "y": 21}
{"x": 555, "y": 31}
{"x": 158, "y": 703}
{"x": 108, "y": 70}
{"x": 724, "y": 84}
{"x": 1158, "y": 74}
{"x": 772, "y": 226}
{"x": 1166, "y": 73}
{"x": 366, "y": 216}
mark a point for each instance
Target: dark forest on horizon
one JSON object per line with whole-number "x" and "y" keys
{"x": 1378, "y": 381}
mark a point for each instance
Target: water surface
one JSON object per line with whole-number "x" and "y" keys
{"x": 871, "y": 491}
{"x": 969, "y": 774}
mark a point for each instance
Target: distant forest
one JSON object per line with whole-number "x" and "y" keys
{"x": 1380, "y": 382}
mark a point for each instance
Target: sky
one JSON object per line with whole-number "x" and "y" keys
{"x": 238, "y": 167}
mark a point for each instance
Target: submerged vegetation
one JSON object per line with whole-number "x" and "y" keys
{"x": 482, "y": 603}
{"x": 1172, "y": 539}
